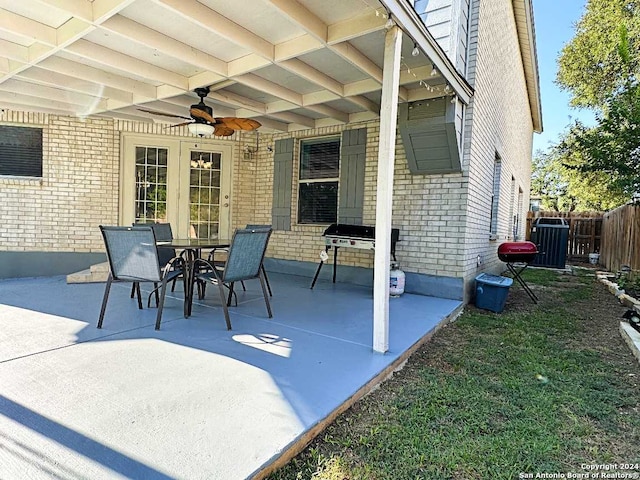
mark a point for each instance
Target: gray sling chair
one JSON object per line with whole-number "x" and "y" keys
{"x": 162, "y": 232}
{"x": 211, "y": 257}
{"x": 133, "y": 257}
{"x": 244, "y": 262}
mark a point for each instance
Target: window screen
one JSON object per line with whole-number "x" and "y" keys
{"x": 495, "y": 197}
{"x": 20, "y": 151}
{"x": 318, "y": 186}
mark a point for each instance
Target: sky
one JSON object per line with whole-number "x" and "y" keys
{"x": 554, "y": 23}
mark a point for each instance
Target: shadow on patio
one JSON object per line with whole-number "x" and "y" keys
{"x": 192, "y": 400}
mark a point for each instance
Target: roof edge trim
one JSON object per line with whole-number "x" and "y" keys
{"x": 411, "y": 23}
{"x": 527, "y": 39}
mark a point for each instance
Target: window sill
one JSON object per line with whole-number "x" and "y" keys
{"x": 18, "y": 180}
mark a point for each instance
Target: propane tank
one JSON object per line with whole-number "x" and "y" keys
{"x": 396, "y": 280}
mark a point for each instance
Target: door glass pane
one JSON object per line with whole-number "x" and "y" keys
{"x": 204, "y": 194}
{"x": 151, "y": 184}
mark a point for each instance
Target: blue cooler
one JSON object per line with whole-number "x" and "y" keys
{"x": 492, "y": 291}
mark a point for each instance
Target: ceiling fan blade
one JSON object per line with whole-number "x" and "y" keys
{"x": 179, "y": 124}
{"x": 222, "y": 130}
{"x": 153, "y": 112}
{"x": 197, "y": 113}
{"x": 238, "y": 123}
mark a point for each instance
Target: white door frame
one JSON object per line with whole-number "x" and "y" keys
{"x": 177, "y": 168}
{"x": 226, "y": 152}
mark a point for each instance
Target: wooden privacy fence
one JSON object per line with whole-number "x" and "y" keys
{"x": 585, "y": 231}
{"x": 620, "y": 236}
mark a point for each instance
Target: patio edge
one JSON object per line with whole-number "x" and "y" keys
{"x": 300, "y": 443}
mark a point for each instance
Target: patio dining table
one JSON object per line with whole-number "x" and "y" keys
{"x": 192, "y": 248}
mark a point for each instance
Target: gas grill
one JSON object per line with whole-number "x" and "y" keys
{"x": 344, "y": 235}
{"x": 521, "y": 253}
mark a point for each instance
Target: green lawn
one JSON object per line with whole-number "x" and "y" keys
{"x": 535, "y": 389}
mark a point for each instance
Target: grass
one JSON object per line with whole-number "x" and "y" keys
{"x": 533, "y": 389}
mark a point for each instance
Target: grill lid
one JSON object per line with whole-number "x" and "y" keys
{"x": 517, "y": 251}
{"x": 357, "y": 231}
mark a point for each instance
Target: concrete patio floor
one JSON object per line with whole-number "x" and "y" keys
{"x": 192, "y": 400}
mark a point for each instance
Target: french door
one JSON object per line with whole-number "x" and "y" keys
{"x": 185, "y": 183}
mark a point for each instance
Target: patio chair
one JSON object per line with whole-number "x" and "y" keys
{"x": 264, "y": 272}
{"x": 211, "y": 257}
{"x": 133, "y": 257}
{"x": 163, "y": 233}
{"x": 244, "y": 262}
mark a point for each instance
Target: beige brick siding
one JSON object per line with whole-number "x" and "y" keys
{"x": 444, "y": 219}
{"x": 61, "y": 211}
{"x": 497, "y": 121}
{"x": 428, "y": 210}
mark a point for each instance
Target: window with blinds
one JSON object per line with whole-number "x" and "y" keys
{"x": 495, "y": 197}
{"x": 20, "y": 151}
{"x": 318, "y": 183}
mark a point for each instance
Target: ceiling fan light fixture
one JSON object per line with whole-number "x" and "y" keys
{"x": 201, "y": 129}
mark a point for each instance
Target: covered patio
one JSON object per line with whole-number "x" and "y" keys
{"x": 78, "y": 402}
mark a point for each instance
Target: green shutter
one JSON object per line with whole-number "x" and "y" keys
{"x": 282, "y": 178}
{"x": 352, "y": 164}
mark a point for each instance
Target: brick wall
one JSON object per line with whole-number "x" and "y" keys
{"x": 78, "y": 189}
{"x": 79, "y": 194}
{"x": 497, "y": 121}
{"x": 444, "y": 219}
{"x": 428, "y": 210}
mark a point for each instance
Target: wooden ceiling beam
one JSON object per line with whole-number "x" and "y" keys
{"x": 355, "y": 27}
{"x": 329, "y": 112}
{"x": 47, "y": 92}
{"x": 13, "y": 51}
{"x": 29, "y": 29}
{"x": 219, "y": 24}
{"x": 97, "y": 76}
{"x": 271, "y": 88}
{"x": 36, "y": 101}
{"x": 82, "y": 9}
{"x": 104, "y": 9}
{"x": 66, "y": 82}
{"x": 312, "y": 75}
{"x": 142, "y": 35}
{"x": 300, "y": 15}
{"x": 125, "y": 63}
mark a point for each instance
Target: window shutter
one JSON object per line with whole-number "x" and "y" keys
{"x": 282, "y": 178}
{"x": 21, "y": 151}
{"x": 428, "y": 133}
{"x": 352, "y": 165}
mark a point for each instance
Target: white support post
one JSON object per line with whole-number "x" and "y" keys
{"x": 384, "y": 191}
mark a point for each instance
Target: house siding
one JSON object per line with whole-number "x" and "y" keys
{"x": 444, "y": 219}
{"x": 80, "y": 176}
{"x": 447, "y": 21}
{"x": 428, "y": 210}
{"x": 498, "y": 120}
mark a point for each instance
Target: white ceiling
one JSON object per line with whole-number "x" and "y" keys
{"x": 290, "y": 64}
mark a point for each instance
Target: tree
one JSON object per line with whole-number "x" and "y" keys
{"x": 604, "y": 55}
{"x": 612, "y": 147}
{"x": 548, "y": 182}
{"x": 600, "y": 66}
{"x": 563, "y": 186}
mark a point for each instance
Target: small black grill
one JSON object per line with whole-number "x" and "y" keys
{"x": 351, "y": 236}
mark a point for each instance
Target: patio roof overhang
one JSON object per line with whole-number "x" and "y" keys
{"x": 290, "y": 64}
